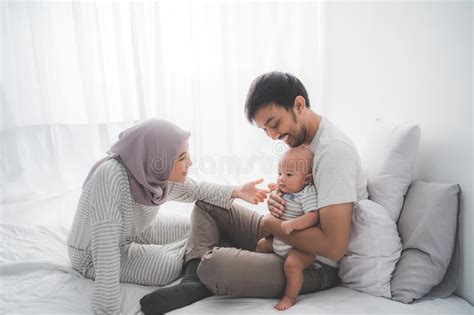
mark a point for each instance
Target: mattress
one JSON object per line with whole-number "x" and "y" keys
{"x": 36, "y": 278}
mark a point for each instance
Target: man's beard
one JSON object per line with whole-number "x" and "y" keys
{"x": 299, "y": 139}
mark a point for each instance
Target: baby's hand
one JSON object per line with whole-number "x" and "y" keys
{"x": 287, "y": 227}
{"x": 273, "y": 186}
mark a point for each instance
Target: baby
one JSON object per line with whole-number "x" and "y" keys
{"x": 296, "y": 183}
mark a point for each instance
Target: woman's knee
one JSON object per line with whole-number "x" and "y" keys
{"x": 202, "y": 211}
{"x": 203, "y": 206}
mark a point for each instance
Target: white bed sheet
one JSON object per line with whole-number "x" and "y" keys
{"x": 36, "y": 278}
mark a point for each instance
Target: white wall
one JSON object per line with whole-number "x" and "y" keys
{"x": 407, "y": 63}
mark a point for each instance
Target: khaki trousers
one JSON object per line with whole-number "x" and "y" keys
{"x": 239, "y": 271}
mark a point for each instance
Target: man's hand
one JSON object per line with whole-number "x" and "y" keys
{"x": 275, "y": 203}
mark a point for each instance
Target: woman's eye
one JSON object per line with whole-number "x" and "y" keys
{"x": 288, "y": 174}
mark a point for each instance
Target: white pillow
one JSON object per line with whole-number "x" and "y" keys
{"x": 389, "y": 164}
{"x": 373, "y": 250}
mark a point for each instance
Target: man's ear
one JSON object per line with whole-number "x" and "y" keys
{"x": 299, "y": 104}
{"x": 308, "y": 179}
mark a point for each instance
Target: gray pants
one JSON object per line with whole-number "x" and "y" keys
{"x": 239, "y": 271}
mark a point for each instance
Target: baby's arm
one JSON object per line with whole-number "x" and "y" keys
{"x": 300, "y": 223}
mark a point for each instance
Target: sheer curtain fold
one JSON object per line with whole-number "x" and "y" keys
{"x": 73, "y": 74}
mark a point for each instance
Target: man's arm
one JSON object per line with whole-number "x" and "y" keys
{"x": 330, "y": 239}
{"x": 305, "y": 221}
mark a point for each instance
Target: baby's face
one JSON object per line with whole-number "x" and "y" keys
{"x": 293, "y": 175}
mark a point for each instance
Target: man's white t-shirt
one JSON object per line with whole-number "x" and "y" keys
{"x": 337, "y": 172}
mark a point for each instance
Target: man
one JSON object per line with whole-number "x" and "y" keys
{"x": 279, "y": 105}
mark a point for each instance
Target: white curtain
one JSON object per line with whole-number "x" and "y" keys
{"x": 73, "y": 74}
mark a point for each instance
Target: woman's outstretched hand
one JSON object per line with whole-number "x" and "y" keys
{"x": 250, "y": 193}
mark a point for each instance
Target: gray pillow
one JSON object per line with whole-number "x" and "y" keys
{"x": 428, "y": 229}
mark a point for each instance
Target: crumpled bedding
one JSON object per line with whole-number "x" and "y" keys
{"x": 36, "y": 278}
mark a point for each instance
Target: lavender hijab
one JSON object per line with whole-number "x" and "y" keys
{"x": 147, "y": 151}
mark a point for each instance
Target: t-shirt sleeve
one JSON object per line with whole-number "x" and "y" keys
{"x": 335, "y": 174}
{"x": 309, "y": 199}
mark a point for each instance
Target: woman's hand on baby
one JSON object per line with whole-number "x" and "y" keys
{"x": 275, "y": 203}
{"x": 250, "y": 193}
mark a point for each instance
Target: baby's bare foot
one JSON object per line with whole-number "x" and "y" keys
{"x": 285, "y": 303}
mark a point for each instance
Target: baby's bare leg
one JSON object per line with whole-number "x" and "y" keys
{"x": 295, "y": 263}
{"x": 265, "y": 245}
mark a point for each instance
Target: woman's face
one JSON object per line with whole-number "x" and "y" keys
{"x": 183, "y": 162}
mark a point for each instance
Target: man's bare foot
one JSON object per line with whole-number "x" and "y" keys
{"x": 285, "y": 303}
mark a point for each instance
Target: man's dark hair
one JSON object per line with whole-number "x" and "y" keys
{"x": 275, "y": 87}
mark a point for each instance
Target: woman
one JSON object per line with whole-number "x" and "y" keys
{"x": 115, "y": 237}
